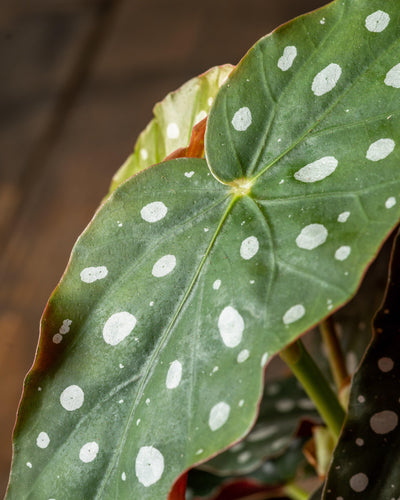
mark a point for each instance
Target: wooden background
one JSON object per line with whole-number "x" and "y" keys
{"x": 78, "y": 82}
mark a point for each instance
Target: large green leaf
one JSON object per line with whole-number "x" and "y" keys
{"x": 174, "y": 118}
{"x": 153, "y": 345}
{"x": 370, "y": 441}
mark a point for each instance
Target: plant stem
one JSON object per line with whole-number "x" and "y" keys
{"x": 295, "y": 492}
{"x": 335, "y": 354}
{"x": 315, "y": 385}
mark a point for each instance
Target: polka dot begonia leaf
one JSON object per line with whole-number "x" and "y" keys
{"x": 196, "y": 271}
{"x": 174, "y": 118}
{"x": 370, "y": 442}
{"x": 268, "y": 479}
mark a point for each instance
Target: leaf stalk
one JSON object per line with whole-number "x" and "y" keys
{"x": 335, "y": 353}
{"x": 315, "y": 385}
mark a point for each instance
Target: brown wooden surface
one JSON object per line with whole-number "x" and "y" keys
{"x": 79, "y": 80}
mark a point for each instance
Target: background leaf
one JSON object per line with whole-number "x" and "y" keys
{"x": 283, "y": 407}
{"x": 272, "y": 474}
{"x": 174, "y": 118}
{"x": 153, "y": 345}
{"x": 370, "y": 440}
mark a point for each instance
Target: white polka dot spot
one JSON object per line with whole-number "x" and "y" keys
{"x": 237, "y": 447}
{"x": 392, "y": 78}
{"x": 149, "y": 465}
{"x": 305, "y": 404}
{"x": 380, "y": 149}
{"x": 164, "y": 266}
{"x": 91, "y": 274}
{"x": 88, "y": 452}
{"x": 219, "y": 414}
{"x": 57, "y": 338}
{"x": 294, "y": 314}
{"x": 172, "y": 131}
{"x": 241, "y": 403}
{"x": 272, "y": 389}
{"x": 174, "y": 375}
{"x": 360, "y": 442}
{"x": 326, "y": 79}
{"x": 72, "y": 398}
{"x": 144, "y": 155}
{"x": 244, "y": 457}
{"x": 123, "y": 476}
{"x": 189, "y": 174}
{"x": 361, "y": 399}
{"x": 390, "y": 202}
{"x": 384, "y": 421}
{"x": 216, "y": 284}
{"x": 249, "y": 247}
{"x": 231, "y": 326}
{"x": 65, "y": 327}
{"x": 285, "y": 405}
{"x": 312, "y": 236}
{"x": 377, "y": 21}
{"x": 28, "y": 464}
{"x": 243, "y": 355}
{"x": 264, "y": 359}
{"x": 342, "y": 253}
{"x": 285, "y": 62}
{"x": 262, "y": 433}
{"x": 118, "y": 327}
{"x": 242, "y": 119}
{"x": 280, "y": 443}
{"x": 343, "y": 217}
{"x": 359, "y": 482}
{"x": 317, "y": 170}
{"x": 153, "y": 212}
{"x": 385, "y": 364}
{"x": 43, "y": 440}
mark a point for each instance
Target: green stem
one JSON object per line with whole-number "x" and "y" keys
{"x": 315, "y": 385}
{"x": 295, "y": 492}
{"x": 335, "y": 354}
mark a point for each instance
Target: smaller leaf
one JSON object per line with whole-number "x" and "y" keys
{"x": 270, "y": 477}
{"x": 370, "y": 440}
{"x": 283, "y": 407}
{"x": 174, "y": 118}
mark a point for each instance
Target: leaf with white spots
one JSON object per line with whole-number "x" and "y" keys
{"x": 263, "y": 272}
{"x": 174, "y": 118}
{"x": 370, "y": 440}
{"x": 268, "y": 479}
